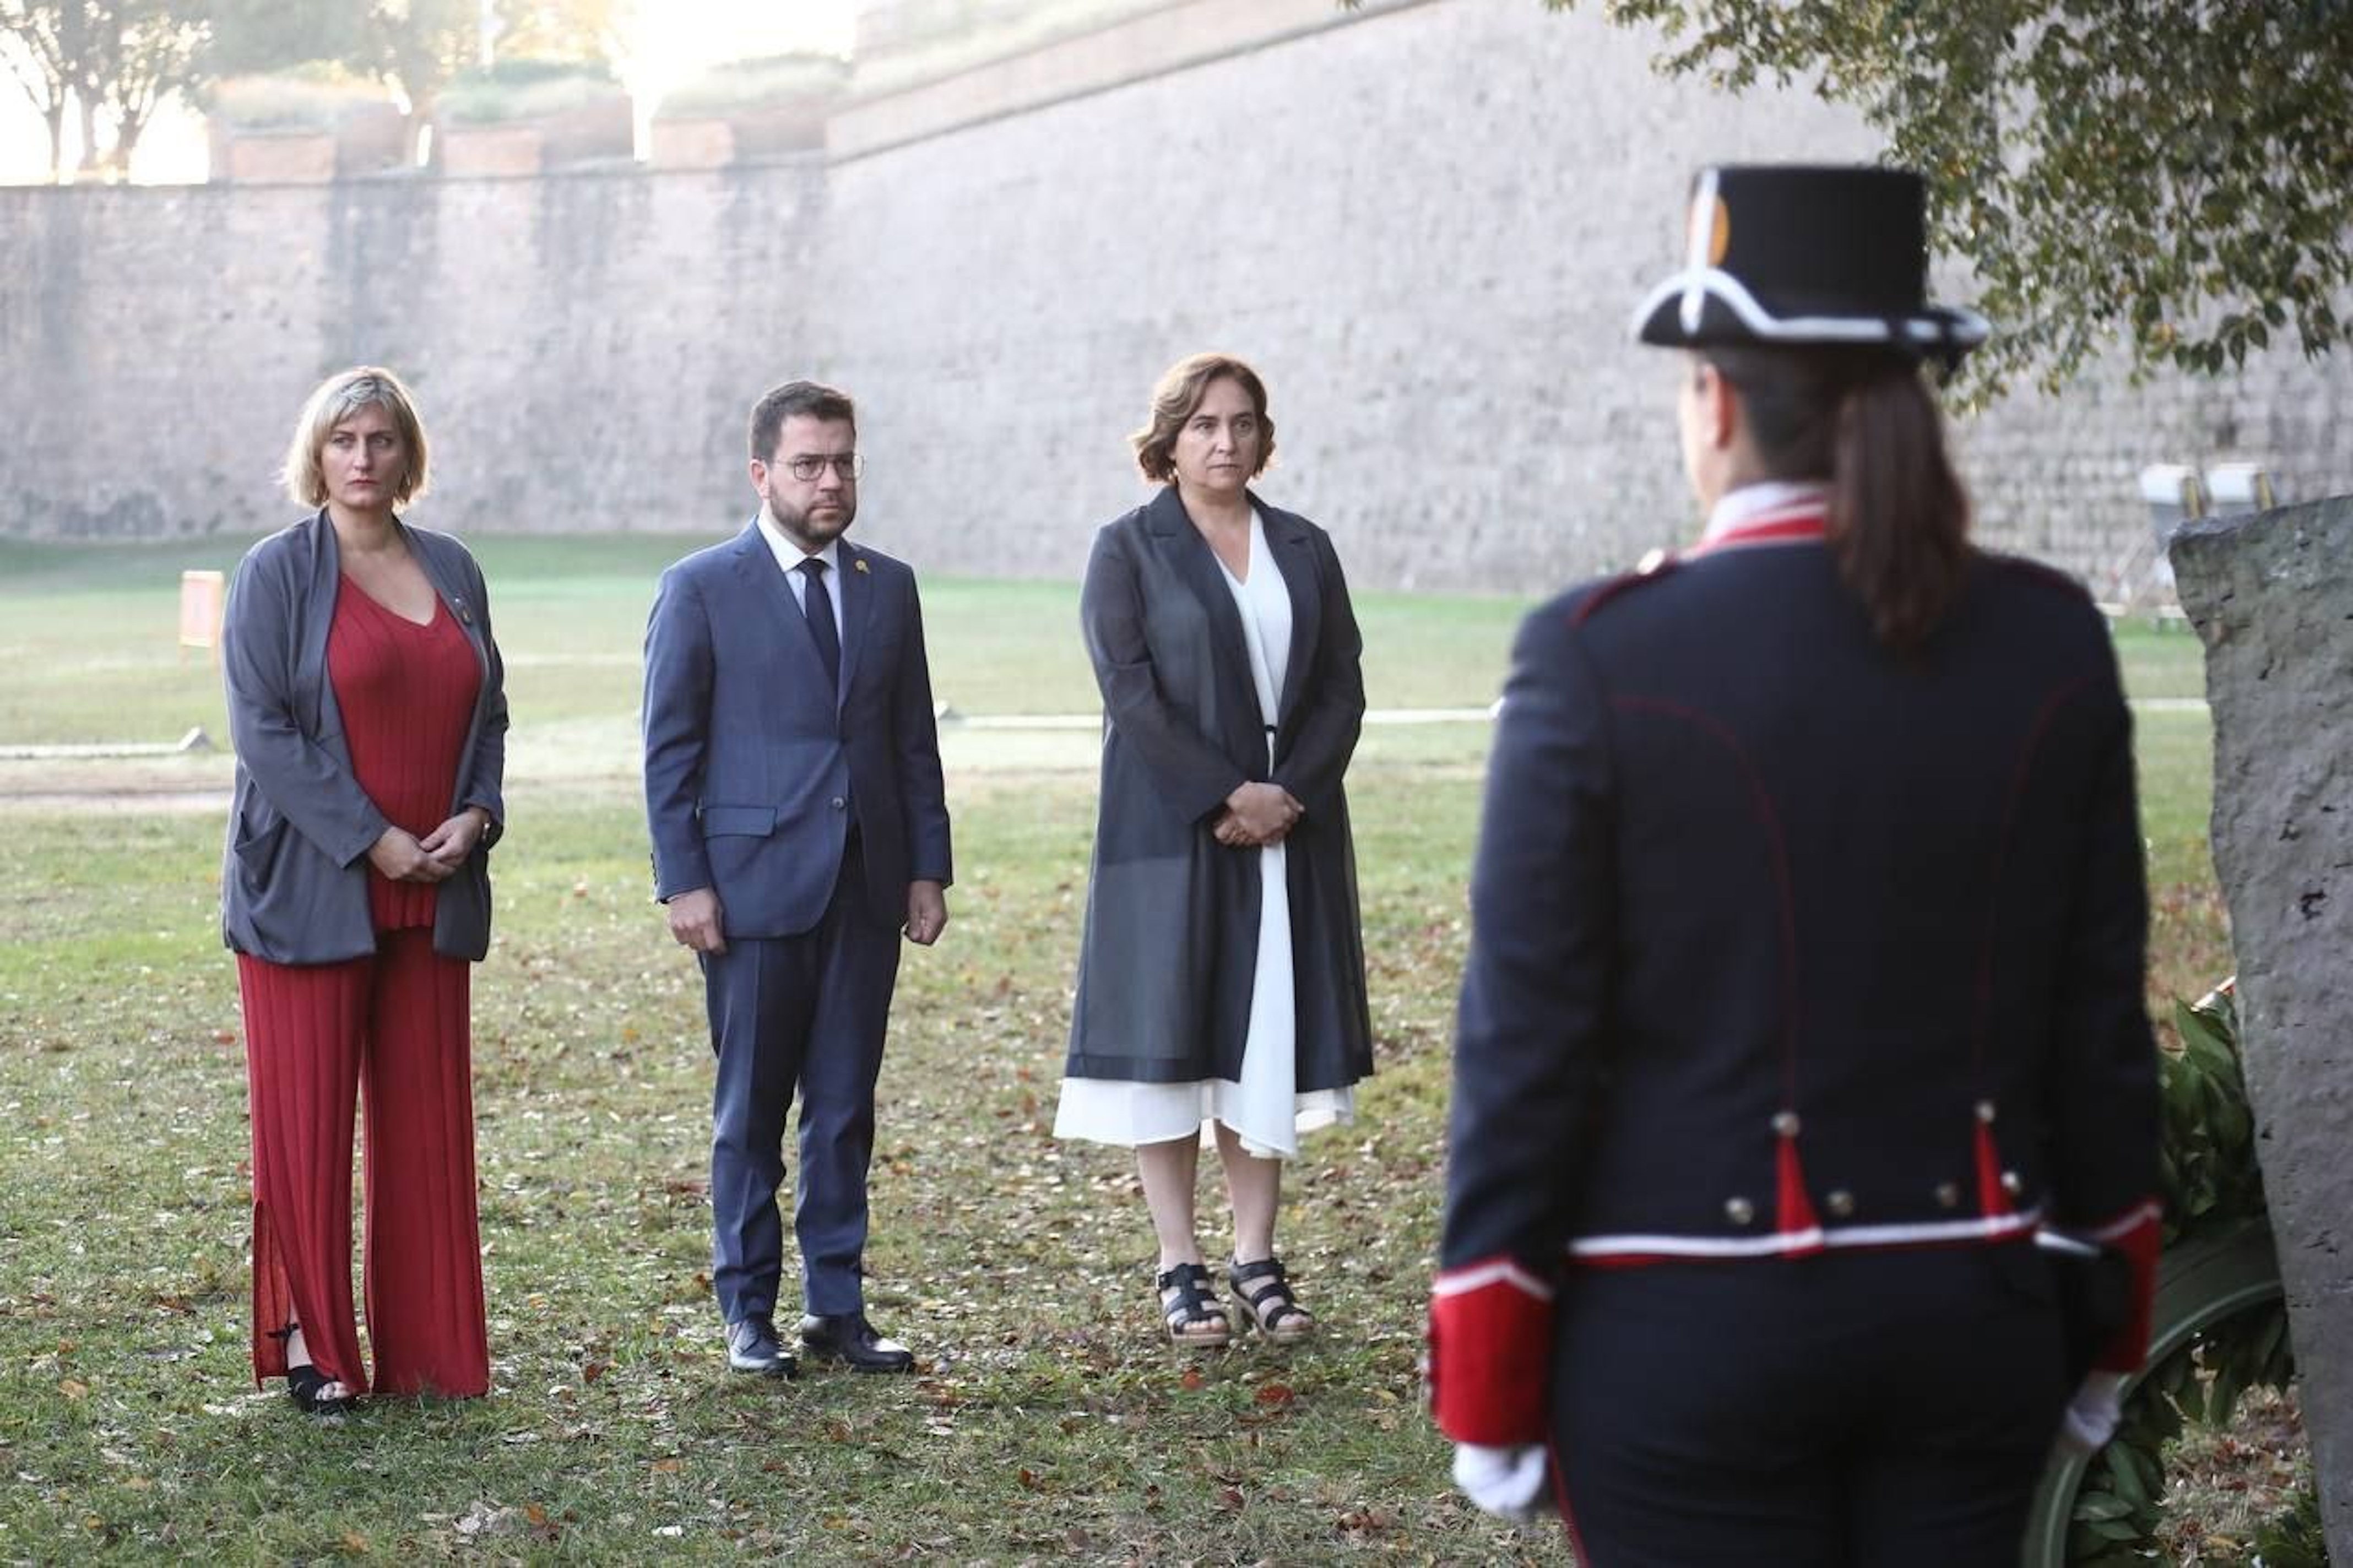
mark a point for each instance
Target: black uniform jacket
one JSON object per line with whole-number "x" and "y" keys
{"x": 1783, "y": 943}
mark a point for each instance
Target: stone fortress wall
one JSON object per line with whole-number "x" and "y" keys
{"x": 1426, "y": 221}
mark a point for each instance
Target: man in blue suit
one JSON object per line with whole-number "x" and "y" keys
{"x": 800, "y": 828}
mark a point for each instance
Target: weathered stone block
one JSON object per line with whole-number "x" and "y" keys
{"x": 488, "y": 150}
{"x": 692, "y": 144}
{"x": 266, "y": 129}
{"x": 371, "y": 138}
{"x": 769, "y": 130}
{"x": 2272, "y": 597}
{"x": 599, "y": 128}
{"x": 289, "y": 158}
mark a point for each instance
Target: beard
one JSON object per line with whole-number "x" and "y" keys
{"x": 816, "y": 526}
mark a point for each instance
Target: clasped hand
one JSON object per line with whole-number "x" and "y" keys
{"x": 403, "y": 857}
{"x": 1256, "y": 816}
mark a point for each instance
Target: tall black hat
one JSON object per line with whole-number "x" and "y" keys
{"x": 1784, "y": 255}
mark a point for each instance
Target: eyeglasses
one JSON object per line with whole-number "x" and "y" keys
{"x": 846, "y": 466}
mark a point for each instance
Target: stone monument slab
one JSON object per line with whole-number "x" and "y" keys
{"x": 2272, "y": 597}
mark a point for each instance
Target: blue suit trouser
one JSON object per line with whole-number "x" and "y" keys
{"x": 804, "y": 1013}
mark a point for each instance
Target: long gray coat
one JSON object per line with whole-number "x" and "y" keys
{"x": 294, "y": 878}
{"x": 1171, "y": 943}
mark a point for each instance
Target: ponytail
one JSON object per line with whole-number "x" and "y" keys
{"x": 1865, "y": 420}
{"x": 1899, "y": 522}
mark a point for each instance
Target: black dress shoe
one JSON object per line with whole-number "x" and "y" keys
{"x": 848, "y": 1337}
{"x": 751, "y": 1347}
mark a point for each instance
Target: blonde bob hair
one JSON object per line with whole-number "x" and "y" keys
{"x": 1179, "y": 392}
{"x": 339, "y": 397}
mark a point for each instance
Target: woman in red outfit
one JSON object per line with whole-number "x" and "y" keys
{"x": 367, "y": 707}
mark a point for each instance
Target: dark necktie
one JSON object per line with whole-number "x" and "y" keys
{"x": 818, "y": 605}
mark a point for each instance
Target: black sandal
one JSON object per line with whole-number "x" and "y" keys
{"x": 305, "y": 1384}
{"x": 1193, "y": 1317}
{"x": 1273, "y": 1310}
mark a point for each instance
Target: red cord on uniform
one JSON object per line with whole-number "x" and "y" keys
{"x": 1796, "y": 1214}
{"x": 1993, "y": 1198}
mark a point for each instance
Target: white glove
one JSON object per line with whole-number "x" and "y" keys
{"x": 1507, "y": 1482}
{"x": 2092, "y": 1415}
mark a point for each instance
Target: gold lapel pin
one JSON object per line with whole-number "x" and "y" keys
{"x": 858, "y": 567}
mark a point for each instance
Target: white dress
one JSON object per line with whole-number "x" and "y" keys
{"x": 1265, "y": 1109}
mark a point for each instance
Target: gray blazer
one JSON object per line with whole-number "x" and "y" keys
{"x": 1169, "y": 954}
{"x": 294, "y": 880}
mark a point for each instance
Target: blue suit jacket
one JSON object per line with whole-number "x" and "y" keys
{"x": 755, "y": 770}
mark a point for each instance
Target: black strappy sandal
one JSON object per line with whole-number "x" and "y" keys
{"x": 1194, "y": 1318}
{"x": 1272, "y": 1309}
{"x": 305, "y": 1384}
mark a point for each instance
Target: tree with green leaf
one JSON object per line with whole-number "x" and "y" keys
{"x": 110, "y": 60}
{"x": 417, "y": 46}
{"x": 252, "y": 37}
{"x": 583, "y": 32}
{"x": 42, "y": 47}
{"x": 142, "y": 52}
{"x": 2176, "y": 172}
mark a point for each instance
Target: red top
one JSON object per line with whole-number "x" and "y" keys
{"x": 407, "y": 695}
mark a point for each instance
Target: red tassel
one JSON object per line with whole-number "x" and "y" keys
{"x": 1993, "y": 1198}
{"x": 1797, "y": 1210}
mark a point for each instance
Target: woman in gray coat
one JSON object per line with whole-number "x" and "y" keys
{"x": 1221, "y": 977}
{"x": 366, "y": 702}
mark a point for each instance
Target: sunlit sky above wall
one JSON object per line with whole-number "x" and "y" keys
{"x": 669, "y": 41}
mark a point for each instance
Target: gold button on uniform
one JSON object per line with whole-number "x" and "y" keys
{"x": 1739, "y": 1211}
{"x": 1840, "y": 1203}
{"x": 1948, "y": 1195}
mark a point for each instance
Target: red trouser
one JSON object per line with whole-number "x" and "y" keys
{"x": 397, "y": 1024}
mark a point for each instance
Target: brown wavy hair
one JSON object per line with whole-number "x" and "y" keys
{"x": 1178, "y": 393}
{"x": 1865, "y": 421}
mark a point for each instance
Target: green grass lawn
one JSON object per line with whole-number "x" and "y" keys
{"x": 90, "y": 637}
{"x": 1048, "y": 1423}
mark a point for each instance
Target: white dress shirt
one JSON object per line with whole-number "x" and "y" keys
{"x": 789, "y": 557}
